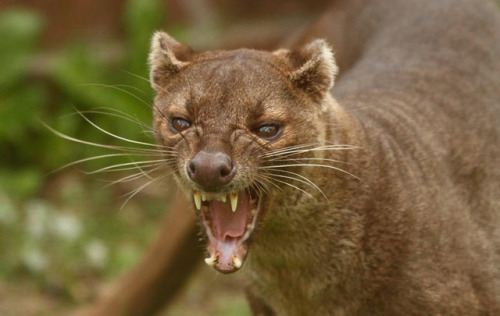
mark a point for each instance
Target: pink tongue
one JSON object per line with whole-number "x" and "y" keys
{"x": 226, "y": 222}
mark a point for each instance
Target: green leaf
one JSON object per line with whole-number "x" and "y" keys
{"x": 19, "y": 31}
{"x": 142, "y": 18}
{"x": 19, "y": 112}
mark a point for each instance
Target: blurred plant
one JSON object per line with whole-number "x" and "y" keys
{"x": 19, "y": 30}
{"x": 78, "y": 78}
{"x": 21, "y": 103}
{"x": 74, "y": 232}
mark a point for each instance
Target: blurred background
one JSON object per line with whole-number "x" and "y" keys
{"x": 79, "y": 67}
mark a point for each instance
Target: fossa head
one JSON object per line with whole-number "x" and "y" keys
{"x": 230, "y": 123}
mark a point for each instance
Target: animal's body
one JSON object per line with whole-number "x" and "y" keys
{"x": 379, "y": 197}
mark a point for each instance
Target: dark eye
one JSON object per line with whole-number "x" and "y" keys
{"x": 179, "y": 124}
{"x": 268, "y": 131}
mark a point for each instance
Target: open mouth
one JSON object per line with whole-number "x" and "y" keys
{"x": 229, "y": 220}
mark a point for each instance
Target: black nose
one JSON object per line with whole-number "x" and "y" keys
{"x": 211, "y": 169}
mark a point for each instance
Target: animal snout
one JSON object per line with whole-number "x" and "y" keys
{"x": 211, "y": 169}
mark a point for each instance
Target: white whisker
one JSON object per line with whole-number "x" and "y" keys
{"x": 260, "y": 181}
{"x": 307, "y": 150}
{"x": 302, "y": 179}
{"x": 286, "y": 150}
{"x": 139, "y": 189}
{"x": 309, "y": 165}
{"x": 116, "y": 136}
{"x": 308, "y": 159}
{"x": 146, "y": 79}
{"x": 261, "y": 187}
{"x": 120, "y": 115}
{"x": 293, "y": 186}
{"x": 118, "y": 167}
{"x": 100, "y": 157}
{"x": 119, "y": 148}
{"x": 116, "y": 87}
{"x": 137, "y": 175}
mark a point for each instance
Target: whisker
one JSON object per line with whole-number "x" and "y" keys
{"x": 133, "y": 88}
{"x": 307, "y": 159}
{"x": 146, "y": 129}
{"x": 119, "y": 169}
{"x": 301, "y": 151}
{"x": 119, "y": 114}
{"x": 99, "y": 157}
{"x": 135, "y": 176}
{"x": 289, "y": 178}
{"x": 128, "y": 178}
{"x": 119, "y": 148}
{"x": 139, "y": 189}
{"x": 145, "y": 79}
{"x": 267, "y": 177}
{"x": 116, "y": 167}
{"x": 287, "y": 149}
{"x": 302, "y": 179}
{"x": 146, "y": 174}
{"x": 115, "y": 136}
{"x": 116, "y": 87}
{"x": 310, "y": 165}
{"x": 154, "y": 104}
{"x": 261, "y": 185}
{"x": 295, "y": 187}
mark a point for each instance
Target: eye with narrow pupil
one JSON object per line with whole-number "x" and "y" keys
{"x": 179, "y": 124}
{"x": 267, "y": 131}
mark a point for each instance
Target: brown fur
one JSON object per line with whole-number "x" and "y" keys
{"x": 410, "y": 225}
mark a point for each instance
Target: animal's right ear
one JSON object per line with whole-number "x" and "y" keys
{"x": 166, "y": 58}
{"x": 313, "y": 68}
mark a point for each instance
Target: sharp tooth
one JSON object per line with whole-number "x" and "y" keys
{"x": 197, "y": 199}
{"x": 210, "y": 261}
{"x": 223, "y": 198}
{"x": 203, "y": 197}
{"x": 237, "y": 262}
{"x": 234, "y": 201}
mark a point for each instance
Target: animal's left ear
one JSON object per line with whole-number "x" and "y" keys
{"x": 314, "y": 68}
{"x": 167, "y": 57}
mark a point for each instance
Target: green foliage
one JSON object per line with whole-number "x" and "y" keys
{"x": 20, "y": 103}
{"x": 142, "y": 18}
{"x": 19, "y": 31}
{"x": 77, "y": 79}
{"x": 57, "y": 227}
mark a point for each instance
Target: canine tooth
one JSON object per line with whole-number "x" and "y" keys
{"x": 237, "y": 262}
{"x": 197, "y": 199}
{"x": 234, "y": 201}
{"x": 210, "y": 261}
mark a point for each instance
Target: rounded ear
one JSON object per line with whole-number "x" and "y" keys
{"x": 166, "y": 58}
{"x": 313, "y": 68}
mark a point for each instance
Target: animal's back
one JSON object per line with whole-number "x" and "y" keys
{"x": 423, "y": 78}
{"x": 428, "y": 88}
